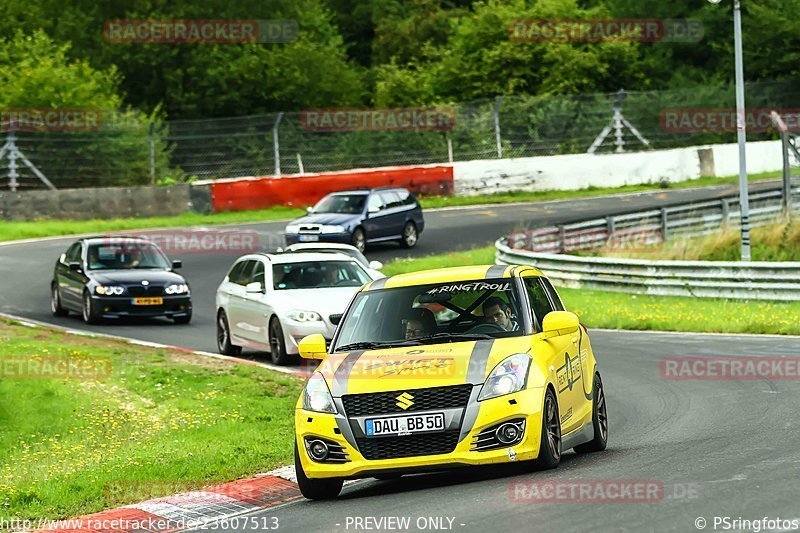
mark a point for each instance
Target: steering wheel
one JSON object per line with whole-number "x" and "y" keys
{"x": 486, "y": 328}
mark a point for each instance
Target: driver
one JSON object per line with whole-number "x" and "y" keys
{"x": 498, "y": 312}
{"x": 420, "y": 322}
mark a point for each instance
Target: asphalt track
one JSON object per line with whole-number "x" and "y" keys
{"x": 26, "y": 269}
{"x": 715, "y": 448}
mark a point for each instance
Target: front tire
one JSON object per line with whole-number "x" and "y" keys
{"x": 183, "y": 319}
{"x": 410, "y": 235}
{"x": 550, "y": 445}
{"x": 224, "y": 345}
{"x": 315, "y": 489}
{"x": 55, "y": 302}
{"x": 277, "y": 344}
{"x": 599, "y": 420}
{"x": 88, "y": 311}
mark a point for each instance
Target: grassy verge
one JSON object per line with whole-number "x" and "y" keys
{"x": 601, "y": 309}
{"x": 47, "y": 228}
{"x": 161, "y": 421}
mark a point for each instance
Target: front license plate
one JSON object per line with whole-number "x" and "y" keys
{"x": 404, "y": 425}
{"x": 309, "y": 238}
{"x": 148, "y": 301}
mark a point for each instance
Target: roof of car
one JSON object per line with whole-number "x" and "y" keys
{"x": 112, "y": 238}
{"x": 302, "y": 257}
{"x": 368, "y": 190}
{"x": 452, "y": 275}
{"x": 318, "y": 245}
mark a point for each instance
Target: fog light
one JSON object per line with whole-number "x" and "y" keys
{"x": 508, "y": 433}
{"x": 318, "y": 450}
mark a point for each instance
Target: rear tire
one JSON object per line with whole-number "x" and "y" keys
{"x": 410, "y": 235}
{"x": 224, "y": 345}
{"x": 277, "y": 344}
{"x": 55, "y": 302}
{"x": 315, "y": 489}
{"x": 550, "y": 445}
{"x": 359, "y": 240}
{"x": 88, "y": 311}
{"x": 599, "y": 420}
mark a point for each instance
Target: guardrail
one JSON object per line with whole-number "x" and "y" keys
{"x": 544, "y": 248}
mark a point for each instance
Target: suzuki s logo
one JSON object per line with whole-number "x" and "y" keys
{"x": 404, "y": 401}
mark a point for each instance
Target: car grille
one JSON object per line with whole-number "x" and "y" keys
{"x": 139, "y": 292}
{"x": 424, "y": 400}
{"x": 408, "y": 446}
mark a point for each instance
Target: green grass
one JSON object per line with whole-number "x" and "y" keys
{"x": 601, "y": 309}
{"x": 48, "y": 228}
{"x": 162, "y": 421}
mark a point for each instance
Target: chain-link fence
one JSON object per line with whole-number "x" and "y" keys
{"x": 130, "y": 152}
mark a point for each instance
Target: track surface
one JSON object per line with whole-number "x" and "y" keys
{"x": 27, "y": 269}
{"x": 720, "y": 448}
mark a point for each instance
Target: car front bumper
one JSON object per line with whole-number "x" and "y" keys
{"x": 491, "y": 412}
{"x": 294, "y": 238}
{"x": 294, "y": 332}
{"x": 123, "y": 307}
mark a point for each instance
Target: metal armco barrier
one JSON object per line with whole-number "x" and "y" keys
{"x": 544, "y": 248}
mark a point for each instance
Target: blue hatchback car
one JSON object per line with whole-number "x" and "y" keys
{"x": 361, "y": 217}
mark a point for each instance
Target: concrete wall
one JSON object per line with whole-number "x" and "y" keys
{"x": 578, "y": 171}
{"x": 108, "y": 202}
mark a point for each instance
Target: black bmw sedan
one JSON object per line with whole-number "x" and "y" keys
{"x": 116, "y": 277}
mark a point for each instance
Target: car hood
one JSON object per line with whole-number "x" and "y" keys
{"x": 327, "y": 302}
{"x": 326, "y": 218}
{"x": 414, "y": 367}
{"x": 129, "y": 277}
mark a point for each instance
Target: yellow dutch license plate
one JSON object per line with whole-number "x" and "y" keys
{"x": 148, "y": 301}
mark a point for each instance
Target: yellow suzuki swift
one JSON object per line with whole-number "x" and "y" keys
{"x": 443, "y": 368}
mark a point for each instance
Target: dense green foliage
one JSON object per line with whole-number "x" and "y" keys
{"x": 380, "y": 53}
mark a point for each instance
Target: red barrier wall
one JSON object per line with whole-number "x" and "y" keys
{"x": 259, "y": 193}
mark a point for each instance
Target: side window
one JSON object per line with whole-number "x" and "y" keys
{"x": 258, "y": 274}
{"x": 375, "y": 201}
{"x": 540, "y": 305}
{"x": 240, "y": 275}
{"x": 557, "y": 304}
{"x": 391, "y": 199}
{"x": 406, "y": 198}
{"x": 73, "y": 254}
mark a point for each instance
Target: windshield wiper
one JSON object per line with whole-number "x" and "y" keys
{"x": 373, "y": 345}
{"x": 454, "y": 337}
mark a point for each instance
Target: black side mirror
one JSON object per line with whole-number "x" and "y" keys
{"x": 76, "y": 267}
{"x": 335, "y": 319}
{"x": 177, "y": 263}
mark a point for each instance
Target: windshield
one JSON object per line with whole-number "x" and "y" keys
{"x": 318, "y": 274}
{"x": 126, "y": 256}
{"x": 351, "y": 204}
{"x": 433, "y": 313}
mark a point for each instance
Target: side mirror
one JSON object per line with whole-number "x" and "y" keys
{"x": 375, "y": 265}
{"x": 335, "y": 319}
{"x": 254, "y": 288}
{"x": 560, "y": 323}
{"x": 309, "y": 210}
{"x": 177, "y": 263}
{"x": 76, "y": 267}
{"x": 313, "y": 347}
{"x": 372, "y": 210}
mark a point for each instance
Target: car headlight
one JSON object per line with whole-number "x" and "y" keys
{"x": 177, "y": 289}
{"x": 317, "y": 397}
{"x": 304, "y": 316}
{"x": 333, "y": 229}
{"x": 292, "y": 228}
{"x": 507, "y": 377}
{"x": 109, "y": 290}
